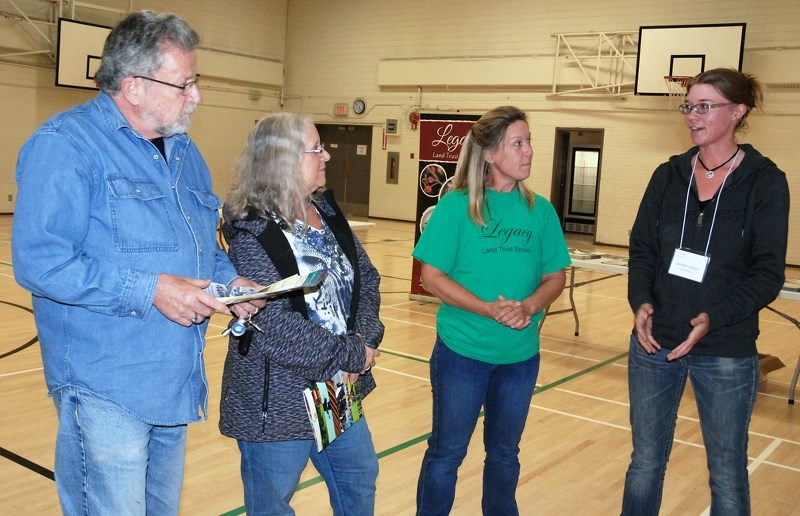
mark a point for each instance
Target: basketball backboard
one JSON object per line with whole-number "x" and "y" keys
{"x": 80, "y": 46}
{"x": 685, "y": 50}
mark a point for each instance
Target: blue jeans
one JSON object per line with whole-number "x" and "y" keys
{"x": 349, "y": 466}
{"x": 725, "y": 390}
{"x": 460, "y": 387}
{"x": 108, "y": 462}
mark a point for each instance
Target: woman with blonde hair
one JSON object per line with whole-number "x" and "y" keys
{"x": 494, "y": 254}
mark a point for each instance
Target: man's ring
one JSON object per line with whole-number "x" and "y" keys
{"x": 194, "y": 318}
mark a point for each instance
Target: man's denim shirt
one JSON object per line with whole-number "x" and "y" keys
{"x": 99, "y": 214}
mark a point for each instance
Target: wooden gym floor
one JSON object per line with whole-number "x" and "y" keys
{"x": 574, "y": 452}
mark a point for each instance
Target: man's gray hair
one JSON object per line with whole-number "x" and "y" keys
{"x": 137, "y": 44}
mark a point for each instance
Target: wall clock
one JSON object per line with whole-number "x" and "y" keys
{"x": 359, "y": 106}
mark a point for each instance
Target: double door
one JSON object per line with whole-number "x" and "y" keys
{"x": 348, "y": 171}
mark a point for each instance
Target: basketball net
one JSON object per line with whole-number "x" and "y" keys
{"x": 676, "y": 88}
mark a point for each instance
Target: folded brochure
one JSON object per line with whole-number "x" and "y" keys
{"x": 229, "y": 294}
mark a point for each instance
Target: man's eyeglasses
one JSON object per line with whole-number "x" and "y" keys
{"x": 702, "y": 108}
{"x": 185, "y": 87}
{"x": 319, "y": 149}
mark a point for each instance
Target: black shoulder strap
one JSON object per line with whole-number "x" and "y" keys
{"x": 280, "y": 253}
{"x": 340, "y": 227}
{"x": 344, "y": 236}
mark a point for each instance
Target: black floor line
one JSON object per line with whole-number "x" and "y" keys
{"x": 22, "y": 461}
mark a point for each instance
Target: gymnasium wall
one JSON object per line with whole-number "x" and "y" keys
{"x": 333, "y": 52}
{"x": 336, "y": 51}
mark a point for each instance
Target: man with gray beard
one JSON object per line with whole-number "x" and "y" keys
{"x": 115, "y": 236}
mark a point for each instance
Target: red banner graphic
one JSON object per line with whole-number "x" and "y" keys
{"x": 440, "y": 140}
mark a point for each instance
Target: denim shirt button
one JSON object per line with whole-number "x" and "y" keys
{"x": 133, "y": 313}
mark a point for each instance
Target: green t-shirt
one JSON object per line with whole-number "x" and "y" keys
{"x": 506, "y": 258}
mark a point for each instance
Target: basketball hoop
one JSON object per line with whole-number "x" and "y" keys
{"x": 676, "y": 88}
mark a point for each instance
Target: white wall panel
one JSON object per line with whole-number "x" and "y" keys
{"x": 488, "y": 71}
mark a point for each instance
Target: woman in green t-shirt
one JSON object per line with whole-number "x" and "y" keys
{"x": 494, "y": 253}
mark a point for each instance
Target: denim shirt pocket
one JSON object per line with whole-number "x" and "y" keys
{"x": 140, "y": 216}
{"x": 209, "y": 201}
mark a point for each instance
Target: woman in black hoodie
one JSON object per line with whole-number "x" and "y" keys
{"x": 707, "y": 252}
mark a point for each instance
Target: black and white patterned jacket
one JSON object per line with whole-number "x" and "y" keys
{"x": 262, "y": 391}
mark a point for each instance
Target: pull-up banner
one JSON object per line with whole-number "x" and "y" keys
{"x": 440, "y": 140}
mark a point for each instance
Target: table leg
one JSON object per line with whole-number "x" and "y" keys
{"x": 572, "y": 300}
{"x": 794, "y": 382}
{"x": 797, "y": 368}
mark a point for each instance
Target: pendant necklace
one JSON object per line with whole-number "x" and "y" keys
{"x": 710, "y": 171}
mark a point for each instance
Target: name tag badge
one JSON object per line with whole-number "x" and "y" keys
{"x": 689, "y": 265}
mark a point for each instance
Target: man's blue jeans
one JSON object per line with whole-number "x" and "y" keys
{"x": 108, "y": 462}
{"x": 725, "y": 390}
{"x": 349, "y": 466}
{"x": 460, "y": 387}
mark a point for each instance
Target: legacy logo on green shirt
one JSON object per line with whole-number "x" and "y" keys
{"x": 505, "y": 234}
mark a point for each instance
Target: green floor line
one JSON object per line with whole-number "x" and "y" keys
{"x": 403, "y": 446}
{"x": 579, "y": 373}
{"x": 411, "y": 442}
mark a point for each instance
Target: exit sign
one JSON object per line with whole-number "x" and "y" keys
{"x": 340, "y": 109}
